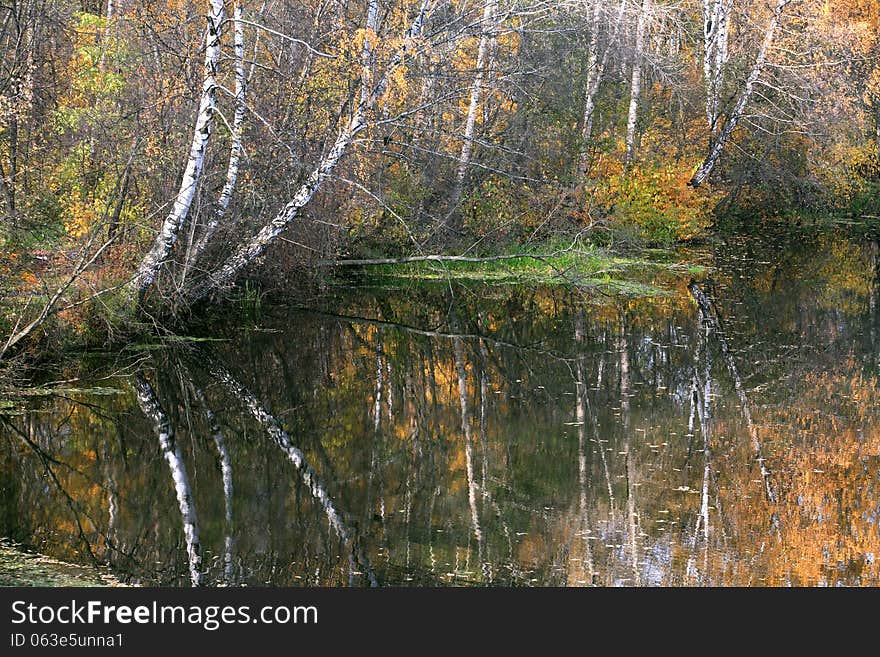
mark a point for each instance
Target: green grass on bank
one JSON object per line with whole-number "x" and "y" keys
{"x": 582, "y": 268}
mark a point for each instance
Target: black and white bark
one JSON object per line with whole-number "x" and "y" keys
{"x": 595, "y": 73}
{"x": 716, "y": 30}
{"x": 745, "y": 95}
{"x": 367, "y": 56}
{"x": 253, "y": 247}
{"x": 467, "y": 146}
{"x": 635, "y": 89}
{"x": 236, "y": 149}
{"x": 168, "y": 234}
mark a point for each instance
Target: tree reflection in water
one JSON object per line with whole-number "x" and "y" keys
{"x": 723, "y": 434}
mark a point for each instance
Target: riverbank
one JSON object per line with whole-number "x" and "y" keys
{"x": 19, "y": 567}
{"x": 103, "y": 324}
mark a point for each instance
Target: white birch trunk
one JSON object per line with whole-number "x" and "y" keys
{"x": 595, "y": 73}
{"x": 367, "y": 52}
{"x": 589, "y": 98}
{"x": 467, "y": 146}
{"x": 636, "y": 84}
{"x": 235, "y": 151}
{"x": 256, "y": 245}
{"x": 716, "y": 19}
{"x": 175, "y": 220}
{"x": 730, "y": 125}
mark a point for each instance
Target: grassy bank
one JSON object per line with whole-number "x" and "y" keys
{"x": 588, "y": 269}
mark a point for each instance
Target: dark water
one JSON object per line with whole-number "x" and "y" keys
{"x": 462, "y": 435}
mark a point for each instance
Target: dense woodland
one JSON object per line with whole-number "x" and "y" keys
{"x": 155, "y": 154}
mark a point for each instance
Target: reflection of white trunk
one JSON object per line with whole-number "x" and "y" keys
{"x": 631, "y": 511}
{"x": 467, "y": 146}
{"x": 745, "y": 95}
{"x": 484, "y": 402}
{"x": 167, "y": 236}
{"x": 581, "y": 404}
{"x": 112, "y": 506}
{"x": 389, "y": 390}
{"x": 151, "y": 407}
{"x": 635, "y": 90}
{"x": 705, "y": 412}
{"x": 280, "y": 437}
{"x": 252, "y": 248}
{"x": 226, "y": 472}
{"x": 468, "y": 445}
{"x": 377, "y": 403}
{"x": 708, "y": 316}
{"x": 235, "y": 151}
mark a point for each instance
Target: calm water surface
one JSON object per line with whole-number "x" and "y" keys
{"x": 468, "y": 435}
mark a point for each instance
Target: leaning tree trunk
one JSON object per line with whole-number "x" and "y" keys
{"x": 635, "y": 91}
{"x": 467, "y": 146}
{"x": 175, "y": 220}
{"x": 733, "y": 120}
{"x": 252, "y": 248}
{"x": 235, "y": 151}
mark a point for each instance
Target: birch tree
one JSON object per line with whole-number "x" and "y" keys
{"x": 168, "y": 234}
{"x": 745, "y": 95}
{"x": 467, "y": 146}
{"x": 595, "y": 73}
{"x": 635, "y": 89}
{"x": 236, "y": 149}
{"x": 716, "y": 21}
{"x": 251, "y": 248}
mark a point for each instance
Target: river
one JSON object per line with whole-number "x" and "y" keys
{"x": 452, "y": 434}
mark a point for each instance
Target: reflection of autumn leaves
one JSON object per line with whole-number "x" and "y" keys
{"x": 831, "y": 504}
